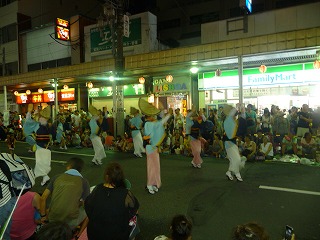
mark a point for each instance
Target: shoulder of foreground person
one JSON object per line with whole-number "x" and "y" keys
{"x": 161, "y": 237}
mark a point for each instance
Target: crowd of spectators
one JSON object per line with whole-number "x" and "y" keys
{"x": 289, "y": 132}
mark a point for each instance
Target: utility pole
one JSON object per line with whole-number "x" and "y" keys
{"x": 3, "y": 74}
{"x": 113, "y": 14}
{"x": 119, "y": 65}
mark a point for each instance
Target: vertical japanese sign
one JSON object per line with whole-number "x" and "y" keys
{"x": 102, "y": 42}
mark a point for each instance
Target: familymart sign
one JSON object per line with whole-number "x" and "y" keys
{"x": 230, "y": 81}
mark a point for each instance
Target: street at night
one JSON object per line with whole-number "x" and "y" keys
{"x": 273, "y": 194}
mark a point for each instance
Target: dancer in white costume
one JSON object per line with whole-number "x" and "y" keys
{"x": 99, "y": 152}
{"x": 231, "y": 127}
{"x": 135, "y": 126}
{"x": 43, "y": 140}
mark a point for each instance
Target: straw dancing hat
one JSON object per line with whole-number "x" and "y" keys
{"x": 226, "y": 109}
{"x": 147, "y": 108}
{"x": 133, "y": 110}
{"x": 46, "y": 112}
{"x": 93, "y": 111}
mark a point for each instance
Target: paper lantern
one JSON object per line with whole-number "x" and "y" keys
{"x": 16, "y": 93}
{"x": 263, "y": 68}
{"x": 89, "y": 84}
{"x": 40, "y": 90}
{"x": 28, "y": 92}
{"x": 65, "y": 87}
{"x": 169, "y": 78}
{"x": 142, "y": 80}
{"x": 316, "y": 64}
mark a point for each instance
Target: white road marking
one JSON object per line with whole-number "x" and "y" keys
{"x": 289, "y": 190}
{"x": 55, "y": 161}
{"x": 74, "y": 153}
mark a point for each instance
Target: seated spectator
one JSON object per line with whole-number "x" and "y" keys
{"x": 75, "y": 139}
{"x": 250, "y": 231}
{"x": 186, "y": 146}
{"x": 85, "y": 138}
{"x": 54, "y": 231}
{"x": 177, "y": 142}
{"x": 26, "y": 216}
{"x": 110, "y": 206}
{"x": 67, "y": 189}
{"x": 265, "y": 150}
{"x": 250, "y": 148}
{"x": 109, "y": 141}
{"x": 128, "y": 143}
{"x": 217, "y": 146}
{"x": 309, "y": 146}
{"x": 289, "y": 144}
{"x": 181, "y": 228}
{"x": 119, "y": 143}
{"x": 259, "y": 138}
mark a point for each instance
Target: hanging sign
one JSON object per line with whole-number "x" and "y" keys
{"x": 62, "y": 29}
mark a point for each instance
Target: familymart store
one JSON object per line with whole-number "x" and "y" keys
{"x": 284, "y": 86}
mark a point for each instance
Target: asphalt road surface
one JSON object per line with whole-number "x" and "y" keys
{"x": 273, "y": 194}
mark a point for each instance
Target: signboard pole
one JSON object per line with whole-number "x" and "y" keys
{"x": 240, "y": 70}
{"x": 55, "y": 81}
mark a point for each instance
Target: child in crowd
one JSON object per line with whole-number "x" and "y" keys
{"x": 75, "y": 139}
{"x": 109, "y": 141}
{"x": 85, "y": 139}
{"x": 217, "y": 146}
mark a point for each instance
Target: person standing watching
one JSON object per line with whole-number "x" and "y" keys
{"x": 68, "y": 192}
{"x": 304, "y": 122}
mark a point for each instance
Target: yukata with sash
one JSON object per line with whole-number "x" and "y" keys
{"x": 231, "y": 127}
{"x": 136, "y": 124}
{"x": 156, "y": 131}
{"x": 99, "y": 152}
{"x": 195, "y": 142}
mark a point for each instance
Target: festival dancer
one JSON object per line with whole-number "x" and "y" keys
{"x": 154, "y": 132}
{"x": 43, "y": 140}
{"x": 28, "y": 129}
{"x": 99, "y": 152}
{"x": 230, "y": 126}
{"x": 135, "y": 126}
{"x": 196, "y": 128}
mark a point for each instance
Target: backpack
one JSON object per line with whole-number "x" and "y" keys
{"x": 20, "y": 173}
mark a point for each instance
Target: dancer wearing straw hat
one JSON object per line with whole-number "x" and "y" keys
{"x": 135, "y": 126}
{"x": 99, "y": 152}
{"x": 154, "y": 132}
{"x": 43, "y": 140}
{"x": 230, "y": 126}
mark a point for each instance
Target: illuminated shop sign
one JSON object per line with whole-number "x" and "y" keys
{"x": 161, "y": 85}
{"x": 23, "y": 98}
{"x": 46, "y": 96}
{"x": 128, "y": 90}
{"x": 257, "y": 80}
{"x": 62, "y": 29}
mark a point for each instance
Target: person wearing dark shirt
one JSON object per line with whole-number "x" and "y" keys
{"x": 304, "y": 121}
{"x": 110, "y": 206}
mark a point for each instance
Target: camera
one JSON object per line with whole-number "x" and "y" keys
{"x": 288, "y": 233}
